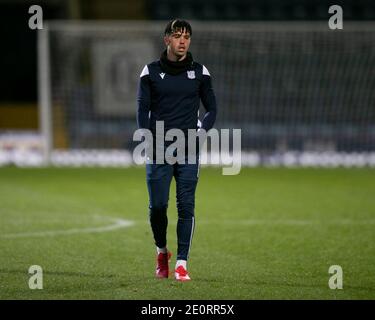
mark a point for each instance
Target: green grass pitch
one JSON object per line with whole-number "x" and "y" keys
{"x": 263, "y": 234}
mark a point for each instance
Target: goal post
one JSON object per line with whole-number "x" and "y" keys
{"x": 44, "y": 93}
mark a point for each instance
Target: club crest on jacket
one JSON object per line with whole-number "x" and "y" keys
{"x": 191, "y": 74}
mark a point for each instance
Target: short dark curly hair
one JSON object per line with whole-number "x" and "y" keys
{"x": 177, "y": 25}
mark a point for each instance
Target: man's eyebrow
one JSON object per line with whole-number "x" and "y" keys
{"x": 180, "y": 33}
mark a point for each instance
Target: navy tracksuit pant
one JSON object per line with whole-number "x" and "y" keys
{"x": 159, "y": 177}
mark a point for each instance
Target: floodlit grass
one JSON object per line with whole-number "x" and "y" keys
{"x": 263, "y": 234}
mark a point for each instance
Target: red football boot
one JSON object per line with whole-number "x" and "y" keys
{"x": 181, "y": 274}
{"x": 162, "y": 266}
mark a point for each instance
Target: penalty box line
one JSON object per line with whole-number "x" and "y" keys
{"x": 117, "y": 223}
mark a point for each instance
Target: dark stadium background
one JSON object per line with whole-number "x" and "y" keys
{"x": 18, "y": 98}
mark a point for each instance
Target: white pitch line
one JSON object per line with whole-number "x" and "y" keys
{"x": 117, "y": 224}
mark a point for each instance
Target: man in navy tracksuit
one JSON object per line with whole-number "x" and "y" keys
{"x": 170, "y": 90}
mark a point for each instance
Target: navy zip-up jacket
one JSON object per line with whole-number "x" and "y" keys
{"x": 175, "y": 99}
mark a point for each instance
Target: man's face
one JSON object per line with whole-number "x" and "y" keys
{"x": 179, "y": 42}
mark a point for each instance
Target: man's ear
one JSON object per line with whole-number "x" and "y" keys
{"x": 166, "y": 40}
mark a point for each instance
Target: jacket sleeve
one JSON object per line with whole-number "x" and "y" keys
{"x": 144, "y": 99}
{"x": 208, "y": 98}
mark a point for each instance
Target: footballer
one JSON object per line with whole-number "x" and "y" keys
{"x": 170, "y": 90}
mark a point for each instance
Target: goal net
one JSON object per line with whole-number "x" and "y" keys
{"x": 292, "y": 88}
